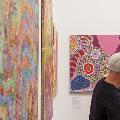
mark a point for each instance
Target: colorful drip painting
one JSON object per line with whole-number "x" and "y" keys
{"x": 19, "y": 59}
{"x": 89, "y": 56}
{"x": 49, "y": 60}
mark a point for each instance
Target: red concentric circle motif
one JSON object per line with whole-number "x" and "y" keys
{"x": 88, "y": 67}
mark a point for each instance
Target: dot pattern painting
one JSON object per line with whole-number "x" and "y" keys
{"x": 49, "y": 60}
{"x": 19, "y": 59}
{"x": 89, "y": 56}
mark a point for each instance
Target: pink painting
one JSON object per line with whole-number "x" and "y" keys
{"x": 89, "y": 55}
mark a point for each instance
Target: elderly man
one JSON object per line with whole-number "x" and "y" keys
{"x": 105, "y": 104}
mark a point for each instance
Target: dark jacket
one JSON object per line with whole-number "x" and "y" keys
{"x": 105, "y": 103}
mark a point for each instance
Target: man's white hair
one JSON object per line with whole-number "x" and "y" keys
{"x": 114, "y": 62}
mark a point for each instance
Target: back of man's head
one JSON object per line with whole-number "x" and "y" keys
{"x": 114, "y": 62}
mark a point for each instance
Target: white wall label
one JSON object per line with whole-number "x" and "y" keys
{"x": 76, "y": 103}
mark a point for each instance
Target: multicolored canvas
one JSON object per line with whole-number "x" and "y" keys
{"x": 19, "y": 59}
{"x": 89, "y": 56}
{"x": 47, "y": 60}
{"x": 55, "y": 60}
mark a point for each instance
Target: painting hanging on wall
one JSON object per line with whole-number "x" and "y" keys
{"x": 55, "y": 60}
{"x": 47, "y": 74}
{"x": 49, "y": 61}
{"x": 89, "y": 56}
{"x": 19, "y": 59}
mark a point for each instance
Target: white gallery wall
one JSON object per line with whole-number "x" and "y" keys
{"x": 79, "y": 17}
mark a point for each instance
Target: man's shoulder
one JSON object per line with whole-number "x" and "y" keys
{"x": 100, "y": 84}
{"x": 105, "y": 89}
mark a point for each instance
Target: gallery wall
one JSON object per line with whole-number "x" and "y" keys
{"x": 79, "y": 17}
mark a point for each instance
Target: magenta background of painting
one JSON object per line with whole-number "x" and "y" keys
{"x": 109, "y": 43}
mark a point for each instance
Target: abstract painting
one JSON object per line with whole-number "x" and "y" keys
{"x": 19, "y": 59}
{"x": 49, "y": 61}
{"x": 89, "y": 56}
{"x": 55, "y": 60}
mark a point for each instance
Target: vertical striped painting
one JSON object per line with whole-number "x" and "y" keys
{"x": 49, "y": 60}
